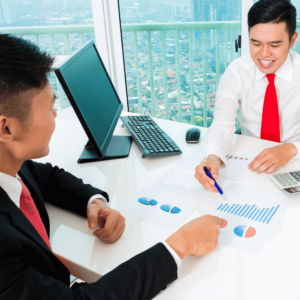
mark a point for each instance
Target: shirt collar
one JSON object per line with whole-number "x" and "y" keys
{"x": 12, "y": 186}
{"x": 284, "y": 72}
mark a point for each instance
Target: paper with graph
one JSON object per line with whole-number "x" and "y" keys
{"x": 236, "y": 164}
{"x": 167, "y": 201}
{"x": 251, "y": 215}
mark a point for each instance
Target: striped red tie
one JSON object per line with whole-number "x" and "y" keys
{"x": 270, "y": 126}
{"x": 30, "y": 211}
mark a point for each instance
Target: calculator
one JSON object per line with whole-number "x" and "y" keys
{"x": 288, "y": 182}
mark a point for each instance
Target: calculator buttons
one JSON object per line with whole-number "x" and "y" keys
{"x": 288, "y": 179}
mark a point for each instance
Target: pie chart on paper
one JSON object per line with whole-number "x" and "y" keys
{"x": 244, "y": 231}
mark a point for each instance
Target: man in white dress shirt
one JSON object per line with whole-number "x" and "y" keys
{"x": 265, "y": 84}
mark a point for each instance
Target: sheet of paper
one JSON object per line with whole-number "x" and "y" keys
{"x": 167, "y": 201}
{"x": 236, "y": 164}
{"x": 251, "y": 215}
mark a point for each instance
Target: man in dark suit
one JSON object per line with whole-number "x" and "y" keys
{"x": 28, "y": 267}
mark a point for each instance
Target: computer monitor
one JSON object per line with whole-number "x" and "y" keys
{"x": 96, "y": 103}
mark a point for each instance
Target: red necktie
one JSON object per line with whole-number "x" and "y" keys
{"x": 270, "y": 126}
{"x": 30, "y": 211}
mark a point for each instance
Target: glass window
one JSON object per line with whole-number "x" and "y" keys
{"x": 59, "y": 27}
{"x": 175, "y": 54}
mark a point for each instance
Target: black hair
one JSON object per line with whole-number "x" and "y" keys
{"x": 273, "y": 11}
{"x": 23, "y": 73}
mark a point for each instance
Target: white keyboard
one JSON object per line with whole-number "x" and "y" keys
{"x": 288, "y": 182}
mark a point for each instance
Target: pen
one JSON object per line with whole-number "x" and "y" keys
{"x": 216, "y": 185}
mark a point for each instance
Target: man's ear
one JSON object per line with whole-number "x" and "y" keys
{"x": 293, "y": 39}
{"x": 5, "y": 129}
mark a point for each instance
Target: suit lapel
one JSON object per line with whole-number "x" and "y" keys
{"x": 19, "y": 220}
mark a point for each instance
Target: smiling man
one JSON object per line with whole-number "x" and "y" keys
{"x": 266, "y": 86}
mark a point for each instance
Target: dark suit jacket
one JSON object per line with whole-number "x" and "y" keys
{"x": 29, "y": 270}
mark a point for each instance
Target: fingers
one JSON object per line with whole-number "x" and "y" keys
{"x": 112, "y": 238}
{"x": 200, "y": 175}
{"x": 265, "y": 166}
{"x": 218, "y": 220}
{"x": 92, "y": 215}
{"x": 273, "y": 168}
{"x": 113, "y": 228}
{"x": 256, "y": 159}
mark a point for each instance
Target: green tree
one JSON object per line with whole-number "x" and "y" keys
{"x": 198, "y": 120}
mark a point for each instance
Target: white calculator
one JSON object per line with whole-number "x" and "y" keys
{"x": 288, "y": 182}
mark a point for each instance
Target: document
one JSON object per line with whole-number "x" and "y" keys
{"x": 236, "y": 164}
{"x": 167, "y": 201}
{"x": 251, "y": 216}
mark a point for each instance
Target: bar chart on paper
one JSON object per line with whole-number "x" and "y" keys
{"x": 177, "y": 194}
{"x": 252, "y": 212}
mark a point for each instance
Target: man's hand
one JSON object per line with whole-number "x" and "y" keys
{"x": 273, "y": 158}
{"x": 213, "y": 164}
{"x": 196, "y": 238}
{"x": 111, "y": 222}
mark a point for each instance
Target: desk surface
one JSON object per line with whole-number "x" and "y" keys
{"x": 226, "y": 273}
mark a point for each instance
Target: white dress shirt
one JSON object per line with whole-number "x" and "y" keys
{"x": 244, "y": 86}
{"x": 13, "y": 188}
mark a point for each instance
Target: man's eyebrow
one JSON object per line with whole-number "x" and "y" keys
{"x": 274, "y": 42}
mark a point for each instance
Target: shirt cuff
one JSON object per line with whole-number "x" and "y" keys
{"x": 218, "y": 152}
{"x": 174, "y": 254}
{"x": 96, "y": 197}
{"x": 297, "y": 144}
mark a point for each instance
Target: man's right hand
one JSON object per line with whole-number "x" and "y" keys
{"x": 213, "y": 164}
{"x": 196, "y": 238}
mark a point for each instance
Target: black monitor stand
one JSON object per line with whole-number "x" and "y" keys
{"x": 118, "y": 147}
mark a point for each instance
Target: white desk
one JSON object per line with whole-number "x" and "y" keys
{"x": 226, "y": 273}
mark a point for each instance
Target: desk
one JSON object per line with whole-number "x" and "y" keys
{"x": 226, "y": 273}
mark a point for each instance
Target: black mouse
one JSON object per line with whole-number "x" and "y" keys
{"x": 193, "y": 135}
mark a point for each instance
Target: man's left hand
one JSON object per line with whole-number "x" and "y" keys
{"x": 273, "y": 158}
{"x": 111, "y": 222}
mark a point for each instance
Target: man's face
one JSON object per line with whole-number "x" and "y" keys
{"x": 33, "y": 141}
{"x": 269, "y": 46}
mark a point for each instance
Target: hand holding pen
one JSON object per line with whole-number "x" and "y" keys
{"x": 213, "y": 164}
{"x": 216, "y": 185}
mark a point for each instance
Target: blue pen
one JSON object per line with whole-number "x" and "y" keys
{"x": 216, "y": 185}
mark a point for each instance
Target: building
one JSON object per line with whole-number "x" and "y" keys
{"x": 210, "y": 11}
{"x": 223, "y": 52}
{"x": 4, "y": 13}
{"x": 177, "y": 9}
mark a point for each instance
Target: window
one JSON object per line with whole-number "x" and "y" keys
{"x": 59, "y": 27}
{"x": 175, "y": 54}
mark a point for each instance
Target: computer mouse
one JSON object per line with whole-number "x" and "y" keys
{"x": 193, "y": 135}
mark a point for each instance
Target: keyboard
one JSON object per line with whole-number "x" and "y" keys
{"x": 152, "y": 140}
{"x": 288, "y": 182}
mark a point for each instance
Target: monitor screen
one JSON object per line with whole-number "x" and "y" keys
{"x": 92, "y": 94}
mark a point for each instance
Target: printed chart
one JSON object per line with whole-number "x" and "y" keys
{"x": 236, "y": 157}
{"x": 244, "y": 231}
{"x": 167, "y": 201}
{"x": 251, "y": 214}
{"x": 236, "y": 164}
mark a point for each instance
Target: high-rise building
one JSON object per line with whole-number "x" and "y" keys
{"x": 144, "y": 6}
{"x": 178, "y": 8}
{"x": 203, "y": 11}
{"x": 214, "y": 10}
{"x": 223, "y": 53}
{"x": 4, "y": 13}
